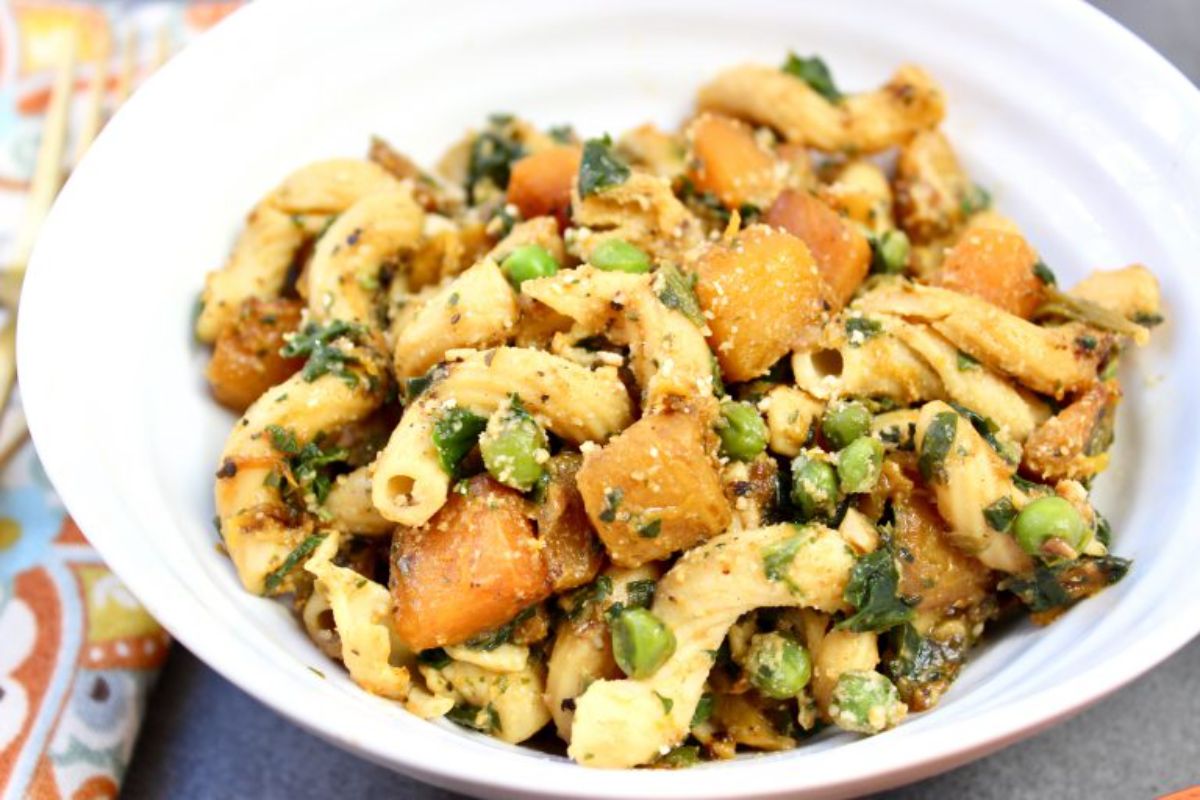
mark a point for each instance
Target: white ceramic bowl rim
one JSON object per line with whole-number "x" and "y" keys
{"x": 61, "y": 420}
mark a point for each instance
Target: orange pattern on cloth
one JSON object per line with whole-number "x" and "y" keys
{"x": 78, "y": 653}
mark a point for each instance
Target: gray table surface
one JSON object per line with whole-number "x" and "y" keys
{"x": 205, "y": 738}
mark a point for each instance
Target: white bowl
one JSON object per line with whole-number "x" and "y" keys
{"x": 1084, "y": 134}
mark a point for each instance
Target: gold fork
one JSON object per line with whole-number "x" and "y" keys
{"x": 48, "y": 174}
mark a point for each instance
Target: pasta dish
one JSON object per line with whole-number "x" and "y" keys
{"x": 673, "y": 445}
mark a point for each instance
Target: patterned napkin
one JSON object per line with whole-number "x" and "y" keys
{"x": 78, "y": 653}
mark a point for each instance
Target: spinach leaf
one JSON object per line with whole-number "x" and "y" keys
{"x": 302, "y": 551}
{"x": 1044, "y": 273}
{"x": 454, "y": 434}
{"x": 599, "y": 167}
{"x": 860, "y": 329}
{"x": 872, "y": 589}
{"x": 1059, "y": 586}
{"x": 923, "y": 667}
{"x": 1000, "y": 514}
{"x": 678, "y": 291}
{"x": 815, "y": 73}
{"x": 319, "y": 343}
{"x": 939, "y": 437}
{"x": 492, "y": 155}
{"x": 310, "y": 468}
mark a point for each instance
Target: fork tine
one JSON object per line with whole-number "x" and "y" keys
{"x": 162, "y": 48}
{"x": 128, "y": 66}
{"x": 95, "y": 106}
{"x": 48, "y": 172}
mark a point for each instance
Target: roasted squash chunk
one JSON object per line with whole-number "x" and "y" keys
{"x": 842, "y": 252}
{"x": 573, "y": 554}
{"x": 762, "y": 296}
{"x": 945, "y": 578}
{"x": 246, "y": 361}
{"x": 473, "y": 567}
{"x": 540, "y": 184}
{"x": 934, "y": 196}
{"x": 655, "y": 489}
{"x": 996, "y": 265}
{"x": 1073, "y": 444}
{"x": 727, "y": 161}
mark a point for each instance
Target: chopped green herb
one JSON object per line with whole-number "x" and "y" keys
{"x": 860, "y": 329}
{"x": 679, "y": 293}
{"x": 704, "y": 709}
{"x": 311, "y": 468}
{"x": 612, "y": 501}
{"x": 1063, "y": 584}
{"x": 319, "y": 343}
{"x": 490, "y": 640}
{"x": 966, "y": 363}
{"x": 939, "y": 436}
{"x": 651, "y": 529}
{"x": 778, "y": 558}
{"x": 640, "y": 593}
{"x": 1103, "y": 530}
{"x": 599, "y": 167}
{"x": 975, "y": 199}
{"x": 815, "y": 73}
{"x": 276, "y": 577}
{"x": 435, "y": 657}
{"x": 923, "y": 667}
{"x": 873, "y": 590}
{"x": 283, "y": 440}
{"x": 667, "y": 703}
{"x": 485, "y": 720}
{"x": 889, "y": 252}
{"x": 454, "y": 434}
{"x": 1044, "y": 273}
{"x": 1147, "y": 318}
{"x": 563, "y": 134}
{"x": 718, "y": 383}
{"x": 1000, "y": 514}
{"x": 681, "y": 757}
{"x": 491, "y": 159}
{"x": 415, "y": 387}
{"x": 593, "y": 594}
{"x": 987, "y": 428}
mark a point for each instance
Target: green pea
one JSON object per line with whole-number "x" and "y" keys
{"x": 527, "y": 262}
{"x": 866, "y": 702}
{"x": 641, "y": 642}
{"x": 1049, "y": 518}
{"x": 859, "y": 465}
{"x": 743, "y": 432}
{"x": 778, "y": 666}
{"x": 814, "y": 488}
{"x": 891, "y": 249}
{"x": 514, "y": 447}
{"x": 845, "y": 422}
{"x": 618, "y": 255}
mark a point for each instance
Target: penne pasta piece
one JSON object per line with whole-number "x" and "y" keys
{"x": 474, "y": 310}
{"x": 344, "y": 274}
{"x": 258, "y": 527}
{"x": 1053, "y": 361}
{"x": 350, "y": 509}
{"x": 580, "y": 405}
{"x": 275, "y": 230}
{"x": 968, "y": 477}
{"x": 862, "y": 123}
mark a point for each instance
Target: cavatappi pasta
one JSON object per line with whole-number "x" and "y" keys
{"x": 669, "y": 447}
